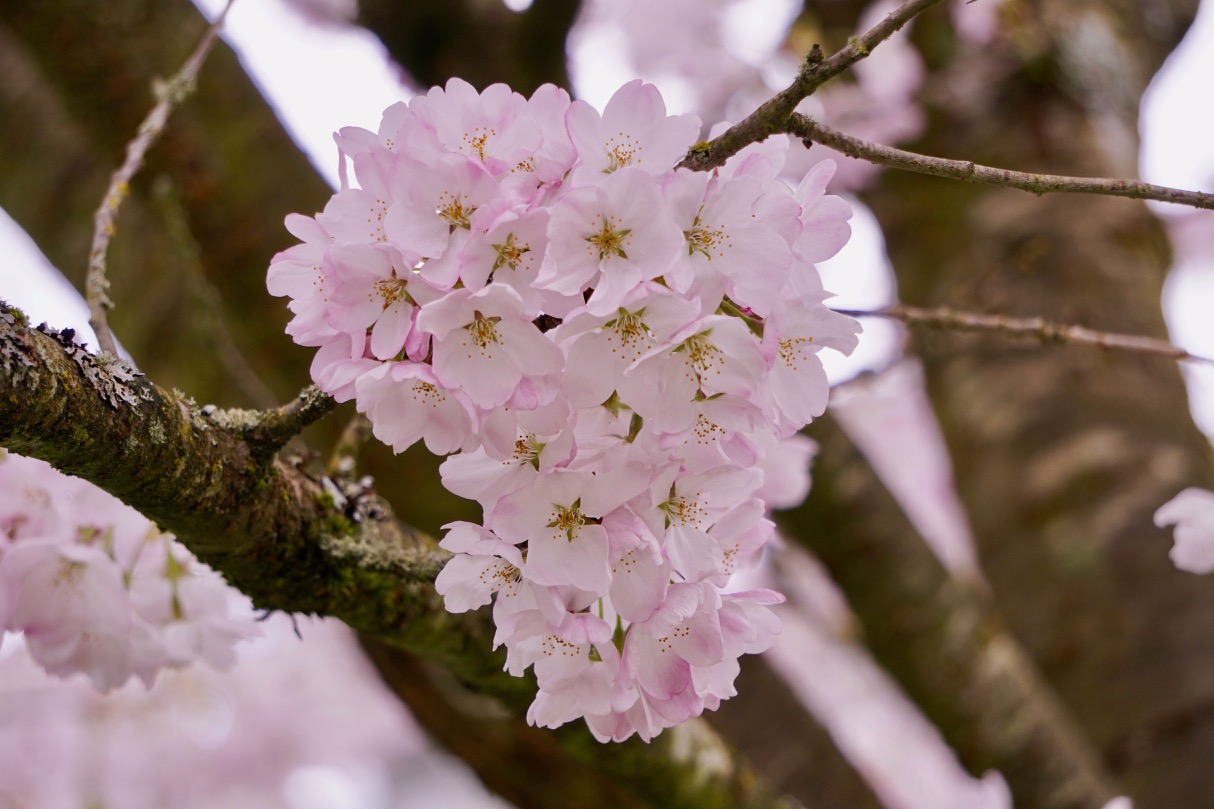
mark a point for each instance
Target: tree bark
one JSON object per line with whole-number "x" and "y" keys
{"x": 275, "y": 534}
{"x": 481, "y": 41}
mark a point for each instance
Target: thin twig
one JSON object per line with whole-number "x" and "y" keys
{"x": 808, "y": 129}
{"x": 1040, "y": 328}
{"x": 169, "y": 94}
{"x": 772, "y": 116}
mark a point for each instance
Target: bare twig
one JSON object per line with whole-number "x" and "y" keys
{"x": 810, "y": 130}
{"x": 773, "y": 115}
{"x": 1041, "y": 329}
{"x": 168, "y": 94}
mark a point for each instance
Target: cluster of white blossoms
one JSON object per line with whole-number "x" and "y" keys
{"x": 616, "y": 354}
{"x": 97, "y": 588}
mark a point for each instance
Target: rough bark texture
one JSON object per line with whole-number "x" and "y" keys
{"x": 274, "y": 533}
{"x": 1062, "y": 454}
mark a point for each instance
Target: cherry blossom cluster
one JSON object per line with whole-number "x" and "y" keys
{"x": 616, "y": 354}
{"x": 97, "y": 588}
{"x": 293, "y": 724}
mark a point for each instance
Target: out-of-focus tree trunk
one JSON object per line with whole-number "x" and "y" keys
{"x": 481, "y": 41}
{"x": 942, "y": 638}
{"x": 1063, "y": 453}
{"x": 785, "y": 744}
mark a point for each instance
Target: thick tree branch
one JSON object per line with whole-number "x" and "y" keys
{"x": 277, "y": 534}
{"x": 942, "y": 638}
{"x": 772, "y": 117}
{"x": 1061, "y": 457}
{"x": 810, "y": 130}
{"x": 1036, "y": 327}
{"x": 272, "y": 530}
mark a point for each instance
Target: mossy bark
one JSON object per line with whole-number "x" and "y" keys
{"x": 275, "y": 534}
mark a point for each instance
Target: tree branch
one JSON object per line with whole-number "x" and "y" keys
{"x": 772, "y": 117}
{"x": 273, "y": 531}
{"x": 268, "y": 431}
{"x": 1038, "y": 327}
{"x": 810, "y": 130}
{"x": 277, "y": 535}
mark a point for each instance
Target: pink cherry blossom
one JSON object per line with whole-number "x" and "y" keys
{"x": 431, "y": 201}
{"x": 601, "y": 347}
{"x": 824, "y": 217}
{"x": 484, "y": 343}
{"x": 729, "y": 249}
{"x": 797, "y": 329}
{"x": 609, "y": 237}
{"x": 633, "y": 130}
{"x": 616, "y": 354}
{"x": 1192, "y": 512}
{"x": 406, "y": 403}
{"x": 71, "y": 604}
{"x": 96, "y": 588}
{"x": 492, "y": 127}
{"x": 712, "y": 355}
{"x": 374, "y": 289}
{"x": 565, "y": 545}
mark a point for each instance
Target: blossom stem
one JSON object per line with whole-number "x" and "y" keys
{"x": 753, "y": 323}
